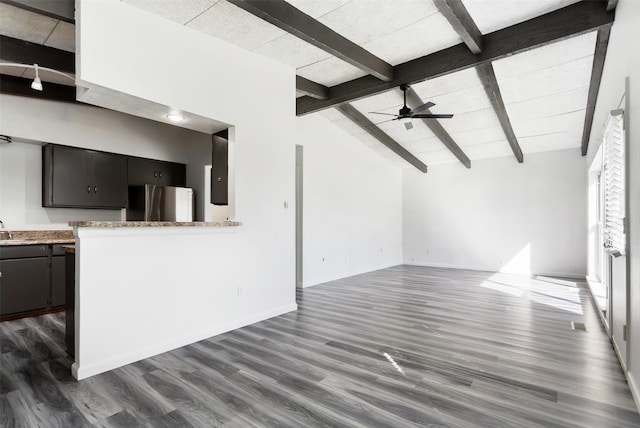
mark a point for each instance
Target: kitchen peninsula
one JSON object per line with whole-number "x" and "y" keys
{"x": 143, "y": 288}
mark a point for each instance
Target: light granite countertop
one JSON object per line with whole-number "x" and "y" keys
{"x": 154, "y": 224}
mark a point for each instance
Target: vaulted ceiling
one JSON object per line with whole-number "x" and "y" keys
{"x": 519, "y": 76}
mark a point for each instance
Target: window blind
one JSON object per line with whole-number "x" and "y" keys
{"x": 614, "y": 184}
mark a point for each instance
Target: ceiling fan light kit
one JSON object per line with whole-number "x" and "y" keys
{"x": 405, "y": 114}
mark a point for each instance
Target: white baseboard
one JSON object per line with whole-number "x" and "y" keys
{"x": 494, "y": 269}
{"x": 83, "y": 371}
{"x": 334, "y": 277}
{"x": 618, "y": 355}
{"x": 635, "y": 389}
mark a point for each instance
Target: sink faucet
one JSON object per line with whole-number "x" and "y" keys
{"x": 4, "y": 230}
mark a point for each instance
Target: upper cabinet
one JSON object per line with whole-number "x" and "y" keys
{"x": 81, "y": 178}
{"x": 220, "y": 168}
{"x": 148, "y": 171}
{"x": 73, "y": 177}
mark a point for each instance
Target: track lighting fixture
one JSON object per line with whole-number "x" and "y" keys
{"x": 37, "y": 83}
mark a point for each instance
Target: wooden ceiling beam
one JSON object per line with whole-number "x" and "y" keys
{"x": 602, "y": 42}
{"x": 63, "y": 10}
{"x": 491, "y": 87}
{"x": 292, "y": 20}
{"x": 414, "y": 100}
{"x": 573, "y": 20}
{"x": 311, "y": 89}
{"x": 22, "y": 52}
{"x": 372, "y": 129}
{"x": 462, "y": 23}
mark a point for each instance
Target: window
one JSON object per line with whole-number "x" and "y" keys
{"x": 614, "y": 184}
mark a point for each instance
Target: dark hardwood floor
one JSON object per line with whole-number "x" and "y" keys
{"x": 405, "y": 346}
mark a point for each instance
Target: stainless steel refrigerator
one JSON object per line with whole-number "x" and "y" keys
{"x": 160, "y": 203}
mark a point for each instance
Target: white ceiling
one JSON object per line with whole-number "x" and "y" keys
{"x": 544, "y": 90}
{"x": 32, "y": 27}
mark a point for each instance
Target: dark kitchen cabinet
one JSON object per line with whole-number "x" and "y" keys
{"x": 148, "y": 171}
{"x": 74, "y": 177}
{"x": 25, "y": 284}
{"x": 57, "y": 281}
{"x": 220, "y": 168}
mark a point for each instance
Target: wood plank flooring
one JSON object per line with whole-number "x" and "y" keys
{"x": 401, "y": 347}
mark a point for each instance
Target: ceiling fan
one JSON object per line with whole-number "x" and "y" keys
{"x": 405, "y": 114}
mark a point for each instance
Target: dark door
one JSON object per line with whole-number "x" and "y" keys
{"x": 24, "y": 286}
{"x": 142, "y": 171}
{"x": 164, "y": 171}
{"x": 109, "y": 180}
{"x": 57, "y": 281}
{"x": 178, "y": 175}
{"x": 171, "y": 174}
{"x": 71, "y": 177}
{"x": 220, "y": 169}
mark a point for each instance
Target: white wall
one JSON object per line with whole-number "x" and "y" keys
{"x": 623, "y": 60}
{"x": 125, "y": 50}
{"x": 352, "y": 204}
{"x": 81, "y": 126}
{"x": 499, "y": 215}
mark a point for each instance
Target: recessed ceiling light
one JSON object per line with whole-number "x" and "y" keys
{"x": 175, "y": 117}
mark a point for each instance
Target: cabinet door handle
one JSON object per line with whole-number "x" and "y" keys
{"x": 160, "y": 174}
{"x": 88, "y": 189}
{"x": 95, "y": 189}
{"x": 155, "y": 174}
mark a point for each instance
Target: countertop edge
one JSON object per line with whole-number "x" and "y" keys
{"x": 16, "y": 242}
{"x": 141, "y": 224}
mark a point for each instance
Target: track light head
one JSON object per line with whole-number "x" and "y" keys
{"x": 37, "y": 83}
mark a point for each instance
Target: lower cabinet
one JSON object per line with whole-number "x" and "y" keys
{"x": 57, "y": 281}
{"x": 33, "y": 279}
{"x": 25, "y": 285}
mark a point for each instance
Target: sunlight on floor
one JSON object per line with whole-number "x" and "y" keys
{"x": 514, "y": 279}
{"x": 558, "y": 293}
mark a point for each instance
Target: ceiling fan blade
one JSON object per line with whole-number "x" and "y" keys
{"x": 431, "y": 116}
{"x": 385, "y": 121}
{"x": 408, "y": 125}
{"x": 377, "y": 112}
{"x": 423, "y": 107}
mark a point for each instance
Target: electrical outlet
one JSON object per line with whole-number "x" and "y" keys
{"x": 427, "y": 251}
{"x": 239, "y": 291}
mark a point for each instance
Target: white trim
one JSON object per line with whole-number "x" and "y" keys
{"x": 635, "y": 390}
{"x": 618, "y": 355}
{"x": 593, "y": 283}
{"x": 579, "y": 276}
{"x": 83, "y": 371}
